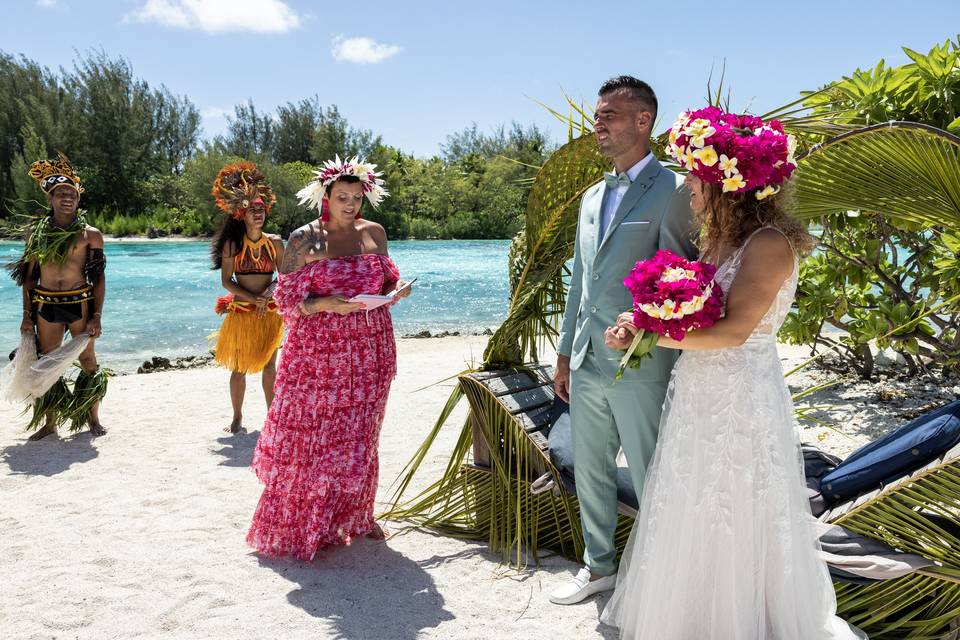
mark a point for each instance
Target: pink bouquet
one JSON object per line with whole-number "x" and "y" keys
{"x": 671, "y": 295}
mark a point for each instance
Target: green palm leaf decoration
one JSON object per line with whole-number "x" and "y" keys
{"x": 919, "y": 606}
{"x": 538, "y": 254}
{"x": 905, "y": 170}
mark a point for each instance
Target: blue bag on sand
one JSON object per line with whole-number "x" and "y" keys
{"x": 894, "y": 455}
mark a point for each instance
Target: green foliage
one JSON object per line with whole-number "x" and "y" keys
{"x": 117, "y": 130}
{"x": 137, "y": 150}
{"x": 422, "y": 228}
{"x": 286, "y": 179}
{"x": 303, "y": 132}
{"x": 925, "y": 90}
{"x": 874, "y": 281}
{"x": 334, "y": 136}
{"x": 249, "y": 133}
{"x": 478, "y": 189}
{"x": 30, "y": 198}
{"x": 297, "y": 126}
{"x": 876, "y": 277}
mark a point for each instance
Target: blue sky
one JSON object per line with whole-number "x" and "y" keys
{"x": 416, "y": 71}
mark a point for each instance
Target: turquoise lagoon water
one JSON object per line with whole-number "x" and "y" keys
{"x": 160, "y": 295}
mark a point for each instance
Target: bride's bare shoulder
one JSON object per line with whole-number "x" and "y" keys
{"x": 769, "y": 251}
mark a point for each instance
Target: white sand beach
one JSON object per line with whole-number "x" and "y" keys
{"x": 140, "y": 534}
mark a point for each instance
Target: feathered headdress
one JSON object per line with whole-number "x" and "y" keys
{"x": 50, "y": 174}
{"x": 240, "y": 184}
{"x": 740, "y": 152}
{"x": 315, "y": 192}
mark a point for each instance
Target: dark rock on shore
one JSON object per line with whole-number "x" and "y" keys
{"x": 159, "y": 363}
{"x": 446, "y": 334}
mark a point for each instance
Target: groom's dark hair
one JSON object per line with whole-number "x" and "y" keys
{"x": 638, "y": 90}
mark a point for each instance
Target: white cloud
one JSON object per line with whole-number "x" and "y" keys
{"x": 362, "y": 50}
{"x": 218, "y": 16}
{"x": 47, "y": 4}
{"x": 214, "y": 113}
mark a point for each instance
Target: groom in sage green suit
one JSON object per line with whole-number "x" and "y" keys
{"x": 634, "y": 212}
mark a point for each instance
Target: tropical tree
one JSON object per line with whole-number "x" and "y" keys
{"x": 250, "y": 133}
{"x": 882, "y": 263}
{"x": 116, "y": 129}
{"x": 296, "y": 129}
{"x": 31, "y": 104}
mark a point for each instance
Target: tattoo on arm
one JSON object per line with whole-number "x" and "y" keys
{"x": 95, "y": 266}
{"x": 293, "y": 253}
{"x": 301, "y": 243}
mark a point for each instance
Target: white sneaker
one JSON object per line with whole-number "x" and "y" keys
{"x": 581, "y": 587}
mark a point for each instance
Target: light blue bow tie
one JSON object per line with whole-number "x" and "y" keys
{"x": 615, "y": 180}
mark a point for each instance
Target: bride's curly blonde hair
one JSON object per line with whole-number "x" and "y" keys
{"x": 728, "y": 219}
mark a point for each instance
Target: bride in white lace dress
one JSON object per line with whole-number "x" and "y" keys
{"x": 724, "y": 546}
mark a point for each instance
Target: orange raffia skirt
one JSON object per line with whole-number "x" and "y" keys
{"x": 246, "y": 342}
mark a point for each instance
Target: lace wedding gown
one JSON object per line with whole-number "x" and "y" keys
{"x": 724, "y": 545}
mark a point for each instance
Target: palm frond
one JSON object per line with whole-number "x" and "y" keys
{"x": 829, "y": 119}
{"x": 916, "y": 513}
{"x": 411, "y": 468}
{"x": 490, "y": 496}
{"x": 538, "y": 254}
{"x": 905, "y": 170}
{"x": 578, "y": 119}
{"x": 918, "y": 606}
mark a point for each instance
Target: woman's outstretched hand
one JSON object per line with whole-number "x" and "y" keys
{"x": 401, "y": 291}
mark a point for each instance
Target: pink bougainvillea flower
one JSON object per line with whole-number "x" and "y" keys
{"x": 671, "y": 296}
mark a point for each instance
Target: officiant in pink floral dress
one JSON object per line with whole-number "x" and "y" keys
{"x": 317, "y": 452}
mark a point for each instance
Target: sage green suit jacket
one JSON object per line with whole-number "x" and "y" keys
{"x": 654, "y": 214}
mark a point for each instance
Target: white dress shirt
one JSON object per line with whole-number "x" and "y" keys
{"x": 613, "y": 197}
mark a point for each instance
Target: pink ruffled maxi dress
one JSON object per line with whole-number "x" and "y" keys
{"x": 317, "y": 452}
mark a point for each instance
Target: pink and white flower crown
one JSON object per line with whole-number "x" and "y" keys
{"x": 740, "y": 152}
{"x": 316, "y": 190}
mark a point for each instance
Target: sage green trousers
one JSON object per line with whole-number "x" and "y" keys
{"x": 606, "y": 416}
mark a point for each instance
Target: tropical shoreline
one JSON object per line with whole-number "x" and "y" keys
{"x": 170, "y": 238}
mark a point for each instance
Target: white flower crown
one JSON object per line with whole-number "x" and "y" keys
{"x": 313, "y": 194}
